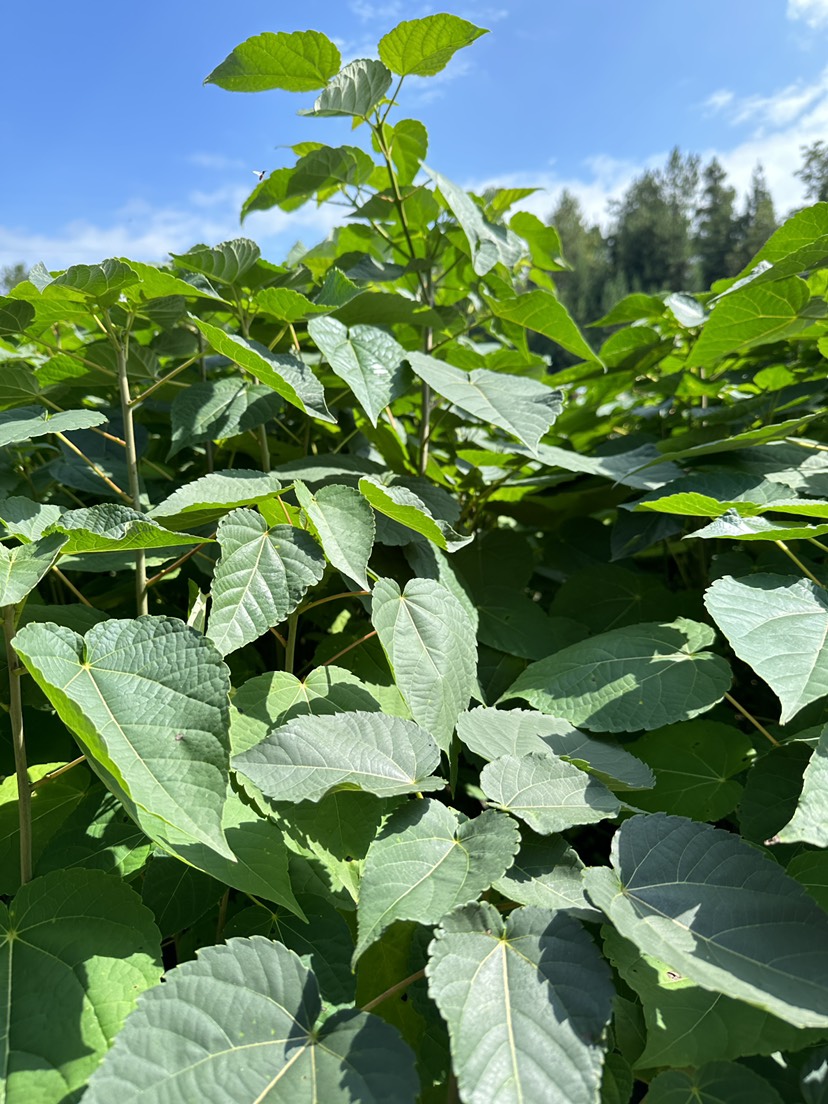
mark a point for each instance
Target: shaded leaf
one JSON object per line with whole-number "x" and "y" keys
{"x": 719, "y": 912}
{"x": 809, "y": 823}
{"x": 526, "y": 999}
{"x": 252, "y": 1014}
{"x": 547, "y": 872}
{"x": 406, "y": 508}
{"x": 713, "y": 1083}
{"x": 643, "y": 676}
{"x": 355, "y": 90}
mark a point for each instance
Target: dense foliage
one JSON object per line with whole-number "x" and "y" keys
{"x": 438, "y": 727}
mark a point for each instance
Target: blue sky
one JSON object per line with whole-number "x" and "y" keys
{"x": 111, "y": 145}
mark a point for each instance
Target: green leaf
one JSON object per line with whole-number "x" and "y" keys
{"x": 799, "y": 245}
{"x": 355, "y": 90}
{"x": 694, "y": 765}
{"x": 309, "y": 757}
{"x": 548, "y": 793}
{"x": 286, "y": 374}
{"x": 610, "y": 597}
{"x": 247, "y": 1018}
{"x": 368, "y": 359}
{"x": 207, "y": 499}
{"x": 543, "y": 241}
{"x": 752, "y": 316}
{"x": 227, "y": 262}
{"x": 177, "y": 895}
{"x": 77, "y": 948}
{"x": 286, "y": 304}
{"x": 523, "y": 407}
{"x": 712, "y": 1084}
{"x": 17, "y": 426}
{"x": 424, "y": 47}
{"x": 408, "y": 142}
{"x": 427, "y": 861}
{"x": 25, "y": 519}
{"x": 22, "y": 567}
{"x": 18, "y": 384}
{"x": 732, "y": 526}
{"x": 527, "y": 999}
{"x": 542, "y": 312}
{"x": 262, "y": 576}
{"x": 159, "y": 283}
{"x": 512, "y": 622}
{"x": 101, "y": 282}
{"x": 687, "y": 1025}
{"x": 15, "y": 315}
{"x": 212, "y": 410}
{"x": 809, "y": 823}
{"x": 114, "y": 528}
{"x": 719, "y": 912}
{"x": 268, "y": 701}
{"x": 168, "y": 760}
{"x": 627, "y": 468}
{"x": 548, "y": 873}
{"x": 406, "y": 508}
{"x": 810, "y": 868}
{"x": 296, "y": 61}
{"x": 429, "y": 641}
{"x": 342, "y": 520}
{"x": 776, "y": 624}
{"x": 494, "y": 732}
{"x": 640, "y": 677}
{"x": 489, "y": 242}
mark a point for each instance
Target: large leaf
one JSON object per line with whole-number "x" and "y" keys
{"x": 719, "y": 912}
{"x": 427, "y": 861}
{"x": 643, "y": 676}
{"x": 752, "y": 316}
{"x": 491, "y": 733}
{"x": 407, "y": 508}
{"x": 548, "y": 793}
{"x": 245, "y": 1022}
{"x": 777, "y": 624}
{"x": 225, "y": 263}
{"x": 712, "y": 1084}
{"x": 147, "y": 701}
{"x": 296, "y": 61}
{"x": 270, "y": 700}
{"x": 285, "y": 373}
{"x": 212, "y": 410}
{"x": 15, "y": 315}
{"x": 25, "y": 422}
{"x": 98, "y": 282}
{"x": 311, "y": 756}
{"x": 522, "y": 406}
{"x": 22, "y": 567}
{"x": 489, "y": 242}
{"x": 344, "y": 523}
{"x": 799, "y": 245}
{"x": 526, "y": 999}
{"x": 424, "y": 47}
{"x": 112, "y": 527}
{"x": 368, "y": 359}
{"x": 210, "y": 497}
{"x": 542, "y": 312}
{"x": 261, "y": 577}
{"x": 694, "y": 764}
{"x": 688, "y": 1025}
{"x": 809, "y": 823}
{"x": 26, "y": 519}
{"x": 429, "y": 640}
{"x": 355, "y": 90}
{"x": 77, "y": 948}
{"x": 547, "y": 872}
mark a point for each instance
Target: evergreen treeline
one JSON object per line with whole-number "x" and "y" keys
{"x": 679, "y": 228}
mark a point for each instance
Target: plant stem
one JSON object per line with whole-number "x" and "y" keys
{"x": 750, "y": 717}
{"x": 122, "y": 356}
{"x": 181, "y": 559}
{"x": 808, "y": 574}
{"x": 94, "y": 467}
{"x": 264, "y": 449}
{"x": 333, "y": 597}
{"x": 58, "y": 772}
{"x": 350, "y": 647}
{"x": 71, "y": 586}
{"x": 24, "y": 793}
{"x": 394, "y": 989}
{"x": 290, "y": 647}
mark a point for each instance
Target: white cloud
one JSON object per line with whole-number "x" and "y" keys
{"x": 145, "y": 233}
{"x": 214, "y": 161}
{"x": 719, "y": 100}
{"x": 813, "y": 12}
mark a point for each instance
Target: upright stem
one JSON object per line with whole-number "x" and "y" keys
{"x": 290, "y": 649}
{"x": 24, "y": 794}
{"x": 122, "y": 354}
{"x": 264, "y": 448}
